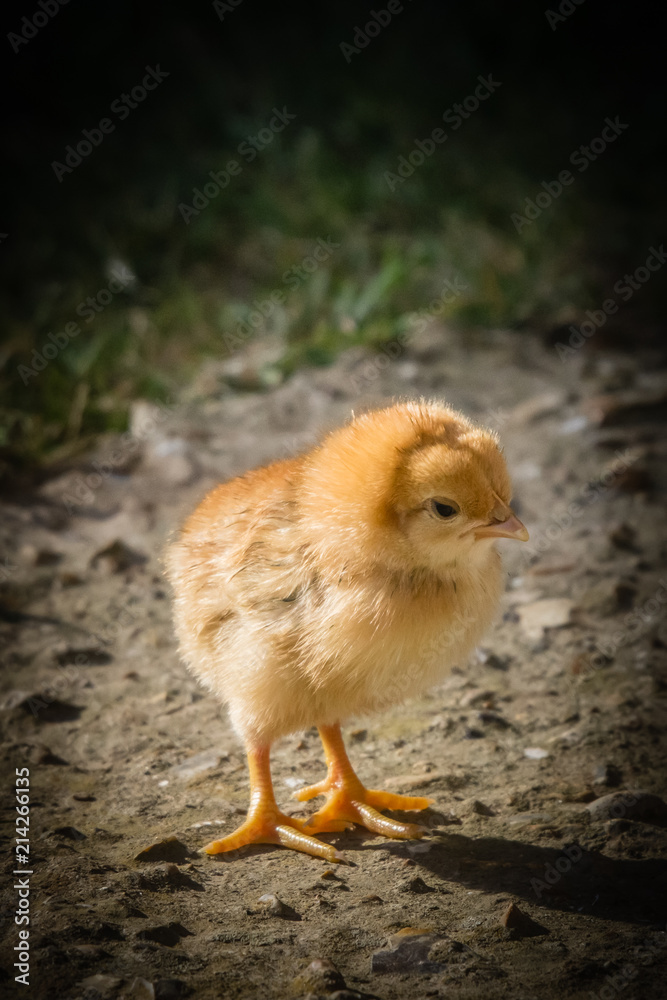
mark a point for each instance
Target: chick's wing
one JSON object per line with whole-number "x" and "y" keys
{"x": 240, "y": 549}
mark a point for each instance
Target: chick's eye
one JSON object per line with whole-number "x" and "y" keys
{"x": 443, "y": 509}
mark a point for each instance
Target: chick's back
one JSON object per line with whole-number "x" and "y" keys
{"x": 293, "y": 609}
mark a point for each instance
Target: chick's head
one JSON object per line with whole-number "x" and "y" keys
{"x": 414, "y": 486}
{"x": 452, "y": 498}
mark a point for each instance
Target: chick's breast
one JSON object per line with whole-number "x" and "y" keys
{"x": 290, "y": 635}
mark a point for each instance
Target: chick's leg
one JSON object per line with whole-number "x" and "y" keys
{"x": 349, "y": 802}
{"x": 265, "y": 823}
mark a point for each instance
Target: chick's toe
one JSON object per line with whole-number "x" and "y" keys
{"x": 270, "y": 826}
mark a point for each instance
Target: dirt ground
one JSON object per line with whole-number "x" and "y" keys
{"x": 543, "y": 872}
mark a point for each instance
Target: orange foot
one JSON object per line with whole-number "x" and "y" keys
{"x": 349, "y": 802}
{"x": 265, "y": 823}
{"x": 270, "y": 826}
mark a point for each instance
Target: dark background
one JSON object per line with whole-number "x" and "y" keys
{"x": 324, "y": 175}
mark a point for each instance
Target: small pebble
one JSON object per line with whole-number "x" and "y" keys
{"x": 167, "y": 876}
{"x": 274, "y": 907}
{"x": 198, "y": 764}
{"x": 549, "y": 612}
{"x": 415, "y": 884}
{"x": 535, "y": 753}
{"x": 321, "y": 976}
{"x": 520, "y": 924}
{"x": 408, "y": 952}
{"x": 140, "y": 989}
{"x": 635, "y": 805}
{"x": 573, "y": 425}
{"x": 481, "y": 809}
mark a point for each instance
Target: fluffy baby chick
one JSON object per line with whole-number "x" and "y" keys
{"x": 336, "y": 583}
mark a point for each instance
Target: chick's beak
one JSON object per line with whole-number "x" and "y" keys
{"x": 510, "y": 528}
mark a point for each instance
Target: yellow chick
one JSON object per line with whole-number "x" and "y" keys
{"x": 336, "y": 583}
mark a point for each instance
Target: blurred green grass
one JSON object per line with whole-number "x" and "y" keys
{"x": 196, "y": 283}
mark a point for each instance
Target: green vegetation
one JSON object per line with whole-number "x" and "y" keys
{"x": 196, "y": 282}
